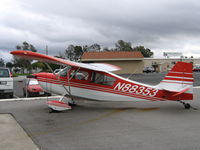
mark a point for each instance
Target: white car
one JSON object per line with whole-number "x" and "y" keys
{"x": 6, "y": 83}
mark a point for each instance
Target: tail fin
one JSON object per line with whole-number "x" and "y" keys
{"x": 179, "y": 79}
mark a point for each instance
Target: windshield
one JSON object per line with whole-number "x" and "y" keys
{"x": 4, "y": 73}
{"x": 33, "y": 82}
{"x": 63, "y": 73}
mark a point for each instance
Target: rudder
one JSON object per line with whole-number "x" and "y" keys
{"x": 180, "y": 77}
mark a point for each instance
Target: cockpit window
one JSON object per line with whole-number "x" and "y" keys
{"x": 79, "y": 75}
{"x": 102, "y": 79}
{"x": 64, "y": 72}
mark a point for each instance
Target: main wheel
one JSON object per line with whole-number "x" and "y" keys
{"x": 72, "y": 104}
{"x": 187, "y": 106}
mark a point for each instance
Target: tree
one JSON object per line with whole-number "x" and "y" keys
{"x": 2, "y": 63}
{"x": 23, "y": 63}
{"x": 9, "y": 65}
{"x": 106, "y": 49}
{"x": 78, "y": 52}
{"x": 26, "y": 46}
{"x": 123, "y": 46}
{"x": 94, "y": 47}
{"x": 85, "y": 48}
{"x": 40, "y": 65}
{"x": 70, "y": 52}
{"x": 74, "y": 52}
{"x": 145, "y": 51}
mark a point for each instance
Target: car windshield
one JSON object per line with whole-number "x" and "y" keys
{"x": 4, "y": 73}
{"x": 33, "y": 82}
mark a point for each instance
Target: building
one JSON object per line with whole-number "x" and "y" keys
{"x": 130, "y": 62}
{"x": 133, "y": 61}
{"x": 165, "y": 64}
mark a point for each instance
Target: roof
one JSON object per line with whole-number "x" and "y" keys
{"x": 112, "y": 55}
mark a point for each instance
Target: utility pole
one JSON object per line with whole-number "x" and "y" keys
{"x": 46, "y": 49}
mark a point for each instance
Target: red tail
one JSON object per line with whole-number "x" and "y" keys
{"x": 179, "y": 78}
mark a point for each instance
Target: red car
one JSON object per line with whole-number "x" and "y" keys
{"x": 196, "y": 69}
{"x": 33, "y": 88}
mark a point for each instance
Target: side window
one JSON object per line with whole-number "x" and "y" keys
{"x": 79, "y": 75}
{"x": 102, "y": 79}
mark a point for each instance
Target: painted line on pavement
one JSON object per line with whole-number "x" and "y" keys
{"x": 29, "y": 98}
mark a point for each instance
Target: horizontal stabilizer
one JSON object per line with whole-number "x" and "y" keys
{"x": 183, "y": 91}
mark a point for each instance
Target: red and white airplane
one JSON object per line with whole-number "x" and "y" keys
{"x": 95, "y": 81}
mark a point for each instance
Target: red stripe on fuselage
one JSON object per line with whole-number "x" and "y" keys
{"x": 102, "y": 89}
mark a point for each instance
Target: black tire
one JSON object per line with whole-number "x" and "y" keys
{"x": 11, "y": 95}
{"x": 187, "y": 106}
{"x": 28, "y": 94}
{"x": 24, "y": 93}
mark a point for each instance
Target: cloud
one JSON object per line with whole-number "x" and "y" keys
{"x": 159, "y": 25}
{"x": 5, "y": 55}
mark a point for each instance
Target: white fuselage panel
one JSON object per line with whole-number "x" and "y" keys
{"x": 87, "y": 93}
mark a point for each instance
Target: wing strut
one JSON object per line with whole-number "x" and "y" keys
{"x": 68, "y": 91}
{"x": 63, "y": 106}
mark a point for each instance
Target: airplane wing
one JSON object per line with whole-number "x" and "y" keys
{"x": 50, "y": 59}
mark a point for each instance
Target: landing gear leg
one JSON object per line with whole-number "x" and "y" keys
{"x": 186, "y": 105}
{"x": 72, "y": 103}
{"x": 68, "y": 100}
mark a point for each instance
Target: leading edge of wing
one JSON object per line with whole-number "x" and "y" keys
{"x": 50, "y": 59}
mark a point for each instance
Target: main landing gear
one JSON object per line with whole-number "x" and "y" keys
{"x": 187, "y": 105}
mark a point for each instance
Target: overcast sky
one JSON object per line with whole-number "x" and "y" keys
{"x": 161, "y": 25}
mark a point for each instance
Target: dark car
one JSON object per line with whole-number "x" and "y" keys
{"x": 33, "y": 88}
{"x": 149, "y": 69}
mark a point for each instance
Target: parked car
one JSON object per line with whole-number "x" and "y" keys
{"x": 149, "y": 69}
{"x": 6, "y": 82}
{"x": 196, "y": 69}
{"x": 33, "y": 88}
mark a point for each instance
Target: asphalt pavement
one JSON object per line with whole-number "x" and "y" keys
{"x": 110, "y": 125}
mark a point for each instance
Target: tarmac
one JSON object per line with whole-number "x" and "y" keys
{"x": 27, "y": 124}
{"x": 103, "y": 125}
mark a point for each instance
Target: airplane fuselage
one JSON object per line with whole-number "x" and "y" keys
{"x": 101, "y": 86}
